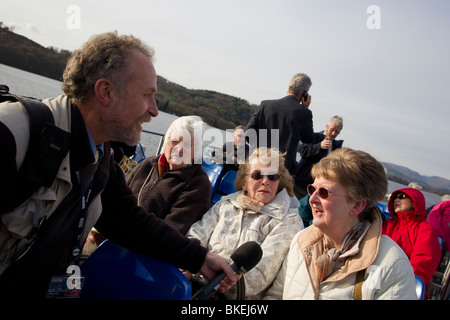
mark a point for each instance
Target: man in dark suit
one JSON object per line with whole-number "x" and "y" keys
{"x": 286, "y": 117}
{"x": 320, "y": 146}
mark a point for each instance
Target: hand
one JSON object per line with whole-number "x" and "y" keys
{"x": 325, "y": 144}
{"x": 306, "y": 102}
{"x": 213, "y": 264}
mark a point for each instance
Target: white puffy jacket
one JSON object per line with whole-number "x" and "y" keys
{"x": 230, "y": 223}
{"x": 388, "y": 273}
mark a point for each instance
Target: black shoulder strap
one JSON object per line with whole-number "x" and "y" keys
{"x": 47, "y": 148}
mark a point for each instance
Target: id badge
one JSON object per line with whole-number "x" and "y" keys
{"x": 65, "y": 287}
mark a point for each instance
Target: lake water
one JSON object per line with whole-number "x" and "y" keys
{"x": 33, "y": 85}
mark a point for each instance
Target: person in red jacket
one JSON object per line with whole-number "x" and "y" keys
{"x": 408, "y": 228}
{"x": 439, "y": 219}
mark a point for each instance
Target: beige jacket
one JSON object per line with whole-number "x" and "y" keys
{"x": 228, "y": 225}
{"x": 17, "y": 224}
{"x": 388, "y": 273}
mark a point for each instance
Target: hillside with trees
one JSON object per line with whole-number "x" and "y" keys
{"x": 22, "y": 53}
{"x": 218, "y": 110}
{"x": 403, "y": 175}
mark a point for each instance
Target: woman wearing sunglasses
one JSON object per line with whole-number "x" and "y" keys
{"x": 409, "y": 229}
{"x": 343, "y": 254}
{"x": 263, "y": 209}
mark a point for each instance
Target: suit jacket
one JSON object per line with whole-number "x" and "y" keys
{"x": 312, "y": 153}
{"x": 293, "y": 121}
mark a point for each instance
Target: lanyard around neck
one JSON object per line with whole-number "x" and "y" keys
{"x": 85, "y": 196}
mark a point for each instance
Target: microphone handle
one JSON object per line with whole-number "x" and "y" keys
{"x": 213, "y": 285}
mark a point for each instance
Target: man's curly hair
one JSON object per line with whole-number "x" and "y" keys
{"x": 103, "y": 56}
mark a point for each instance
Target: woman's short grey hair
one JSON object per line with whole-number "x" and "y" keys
{"x": 300, "y": 82}
{"x": 191, "y": 127}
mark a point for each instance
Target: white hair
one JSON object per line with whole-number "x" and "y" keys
{"x": 194, "y": 127}
{"x": 337, "y": 120}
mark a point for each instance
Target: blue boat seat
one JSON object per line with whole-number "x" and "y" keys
{"x": 441, "y": 242}
{"x": 112, "y": 272}
{"x": 420, "y": 288}
{"x": 214, "y": 172}
{"x": 226, "y": 185}
{"x": 384, "y": 210}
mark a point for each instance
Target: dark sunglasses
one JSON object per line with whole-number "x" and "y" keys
{"x": 401, "y": 196}
{"x": 258, "y": 176}
{"x": 323, "y": 192}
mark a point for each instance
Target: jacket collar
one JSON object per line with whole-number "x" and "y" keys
{"x": 292, "y": 97}
{"x": 276, "y": 209}
{"x": 310, "y": 244}
{"x": 185, "y": 173}
{"x": 61, "y": 109}
{"x": 81, "y": 152}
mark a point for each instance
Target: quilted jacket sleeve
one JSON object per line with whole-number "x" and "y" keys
{"x": 204, "y": 228}
{"x": 275, "y": 248}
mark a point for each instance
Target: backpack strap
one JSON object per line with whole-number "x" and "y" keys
{"x": 48, "y": 146}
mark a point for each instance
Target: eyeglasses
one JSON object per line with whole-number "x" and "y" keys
{"x": 323, "y": 192}
{"x": 239, "y": 136}
{"x": 258, "y": 176}
{"x": 401, "y": 196}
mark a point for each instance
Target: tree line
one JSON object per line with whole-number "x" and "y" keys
{"x": 218, "y": 110}
{"x": 22, "y": 53}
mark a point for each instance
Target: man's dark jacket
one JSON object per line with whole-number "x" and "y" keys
{"x": 293, "y": 121}
{"x": 121, "y": 220}
{"x": 312, "y": 153}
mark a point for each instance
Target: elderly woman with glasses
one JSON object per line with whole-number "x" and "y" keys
{"x": 409, "y": 229}
{"x": 263, "y": 209}
{"x": 343, "y": 254}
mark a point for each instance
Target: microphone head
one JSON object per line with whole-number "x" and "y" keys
{"x": 247, "y": 256}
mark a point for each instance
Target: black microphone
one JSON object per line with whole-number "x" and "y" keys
{"x": 244, "y": 259}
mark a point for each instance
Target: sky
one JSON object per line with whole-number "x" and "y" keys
{"x": 383, "y": 65}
